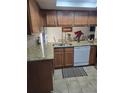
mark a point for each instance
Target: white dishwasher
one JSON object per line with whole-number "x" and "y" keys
{"x": 81, "y": 55}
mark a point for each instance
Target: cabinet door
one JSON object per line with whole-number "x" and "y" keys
{"x": 58, "y": 57}
{"x": 51, "y": 18}
{"x": 69, "y": 59}
{"x": 92, "y": 18}
{"x": 93, "y": 55}
{"x": 34, "y": 16}
{"x": 39, "y": 76}
{"x": 65, "y": 18}
{"x": 80, "y": 18}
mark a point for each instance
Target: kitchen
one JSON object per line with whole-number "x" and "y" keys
{"x": 61, "y": 47}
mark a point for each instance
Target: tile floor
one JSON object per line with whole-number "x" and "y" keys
{"x": 85, "y": 84}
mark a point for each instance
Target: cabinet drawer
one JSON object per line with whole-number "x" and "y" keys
{"x": 58, "y": 50}
{"x": 68, "y": 49}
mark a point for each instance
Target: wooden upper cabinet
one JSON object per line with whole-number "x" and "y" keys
{"x": 69, "y": 18}
{"x": 80, "y": 18}
{"x": 92, "y": 18}
{"x": 51, "y": 18}
{"x": 35, "y": 17}
{"x": 65, "y": 18}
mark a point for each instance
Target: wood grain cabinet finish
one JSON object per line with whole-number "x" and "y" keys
{"x": 51, "y": 18}
{"x": 93, "y": 55}
{"x": 92, "y": 18}
{"x": 65, "y": 18}
{"x": 58, "y": 57}
{"x": 63, "y": 57}
{"x": 35, "y": 17}
{"x": 39, "y": 76}
{"x": 80, "y": 18}
{"x": 29, "y": 25}
{"x": 69, "y": 18}
{"x": 69, "y": 57}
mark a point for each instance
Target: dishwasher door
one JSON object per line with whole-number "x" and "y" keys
{"x": 81, "y": 55}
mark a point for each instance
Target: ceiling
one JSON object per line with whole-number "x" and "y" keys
{"x": 68, "y": 4}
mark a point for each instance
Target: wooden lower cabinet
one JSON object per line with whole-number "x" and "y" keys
{"x": 58, "y": 57}
{"x": 93, "y": 55}
{"x": 69, "y": 57}
{"x": 63, "y": 57}
{"x": 39, "y": 76}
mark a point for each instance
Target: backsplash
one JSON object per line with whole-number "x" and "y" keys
{"x": 55, "y": 34}
{"x": 84, "y": 30}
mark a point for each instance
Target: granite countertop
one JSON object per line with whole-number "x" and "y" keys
{"x": 76, "y": 44}
{"x": 34, "y": 51}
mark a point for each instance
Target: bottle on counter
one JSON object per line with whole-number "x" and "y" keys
{"x": 38, "y": 41}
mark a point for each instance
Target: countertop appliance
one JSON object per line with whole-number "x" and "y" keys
{"x": 91, "y": 37}
{"x": 81, "y": 55}
{"x": 92, "y": 28}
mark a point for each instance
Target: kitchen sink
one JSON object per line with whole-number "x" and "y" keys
{"x": 62, "y": 44}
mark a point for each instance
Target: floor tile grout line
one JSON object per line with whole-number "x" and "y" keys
{"x": 67, "y": 84}
{"x": 79, "y": 84}
{"x": 76, "y": 78}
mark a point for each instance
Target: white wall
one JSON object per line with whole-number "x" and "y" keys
{"x": 53, "y": 33}
{"x": 56, "y": 32}
{"x": 85, "y": 30}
